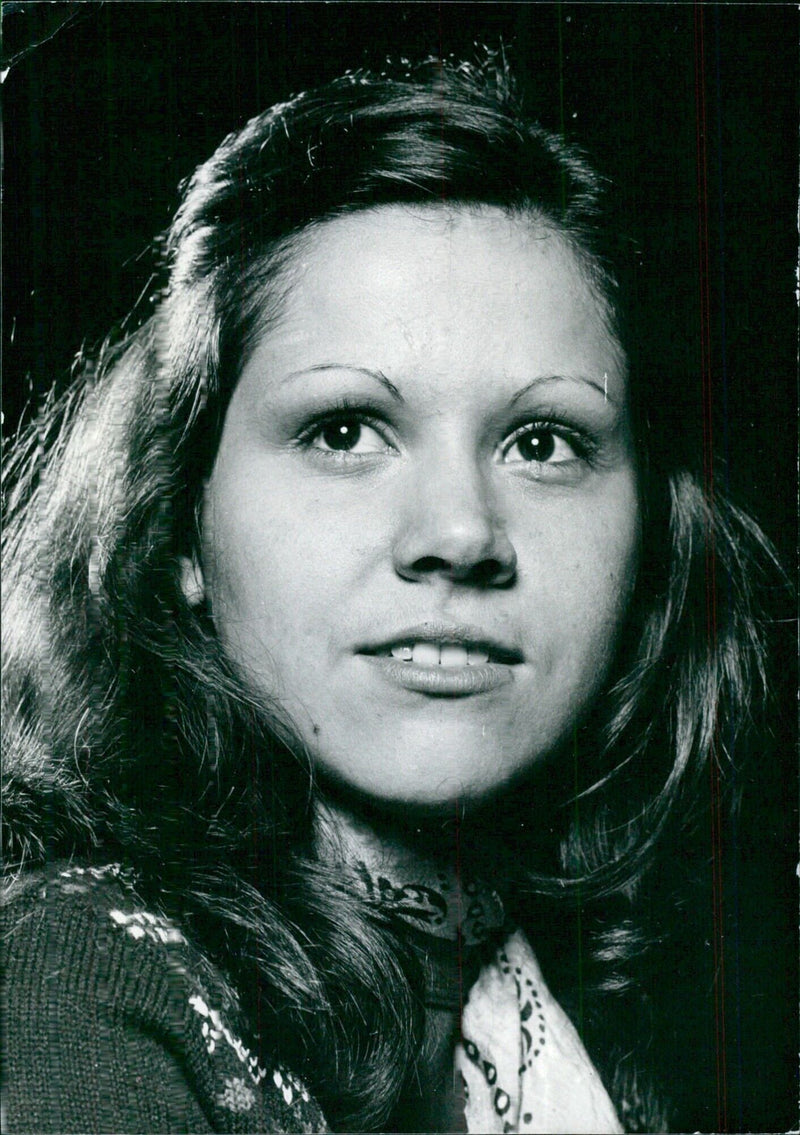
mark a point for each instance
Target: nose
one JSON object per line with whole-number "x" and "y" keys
{"x": 452, "y": 530}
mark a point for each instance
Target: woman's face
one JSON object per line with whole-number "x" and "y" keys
{"x": 421, "y": 527}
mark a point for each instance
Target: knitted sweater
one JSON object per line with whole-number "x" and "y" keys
{"x": 113, "y": 1022}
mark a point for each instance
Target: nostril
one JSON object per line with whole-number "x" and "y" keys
{"x": 488, "y": 572}
{"x": 485, "y": 573}
{"x": 425, "y": 565}
{"x": 492, "y": 573}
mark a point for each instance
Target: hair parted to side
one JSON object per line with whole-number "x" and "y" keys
{"x": 127, "y": 732}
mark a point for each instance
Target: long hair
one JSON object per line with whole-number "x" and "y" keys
{"x": 127, "y": 731}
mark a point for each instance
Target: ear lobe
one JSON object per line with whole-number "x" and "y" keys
{"x": 193, "y": 585}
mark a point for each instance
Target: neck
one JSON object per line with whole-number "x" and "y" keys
{"x": 415, "y": 877}
{"x": 409, "y": 872}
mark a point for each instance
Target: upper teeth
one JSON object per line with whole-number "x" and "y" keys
{"x": 432, "y": 654}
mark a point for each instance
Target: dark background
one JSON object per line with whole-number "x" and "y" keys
{"x": 692, "y": 111}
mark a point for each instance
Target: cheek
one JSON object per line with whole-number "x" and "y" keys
{"x": 248, "y": 571}
{"x": 279, "y": 567}
{"x": 608, "y": 580}
{"x": 580, "y": 570}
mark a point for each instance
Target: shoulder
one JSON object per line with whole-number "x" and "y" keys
{"x": 114, "y": 1021}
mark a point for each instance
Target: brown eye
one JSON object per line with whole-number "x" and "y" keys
{"x": 541, "y": 445}
{"x": 341, "y": 436}
{"x": 538, "y": 445}
{"x": 347, "y": 435}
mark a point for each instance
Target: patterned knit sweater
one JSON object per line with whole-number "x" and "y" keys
{"x": 112, "y": 1022}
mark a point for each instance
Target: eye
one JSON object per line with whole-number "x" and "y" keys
{"x": 346, "y": 435}
{"x": 540, "y": 444}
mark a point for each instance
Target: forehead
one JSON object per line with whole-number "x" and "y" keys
{"x": 465, "y": 292}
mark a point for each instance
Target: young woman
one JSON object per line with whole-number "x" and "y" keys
{"x": 371, "y": 637}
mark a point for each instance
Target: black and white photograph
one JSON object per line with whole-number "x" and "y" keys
{"x": 400, "y": 481}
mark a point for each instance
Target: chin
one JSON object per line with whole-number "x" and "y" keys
{"x": 437, "y": 782}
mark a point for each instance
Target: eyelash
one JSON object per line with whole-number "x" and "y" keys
{"x": 343, "y": 411}
{"x": 581, "y": 441}
{"x": 583, "y": 444}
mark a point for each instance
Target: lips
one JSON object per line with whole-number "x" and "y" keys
{"x": 433, "y": 645}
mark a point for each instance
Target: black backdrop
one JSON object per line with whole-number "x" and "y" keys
{"x": 691, "y": 109}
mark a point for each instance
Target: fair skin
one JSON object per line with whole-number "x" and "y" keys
{"x": 421, "y": 529}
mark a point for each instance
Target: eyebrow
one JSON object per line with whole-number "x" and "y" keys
{"x": 379, "y": 377}
{"x": 578, "y": 380}
{"x": 376, "y": 375}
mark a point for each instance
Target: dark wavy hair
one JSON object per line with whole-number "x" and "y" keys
{"x": 128, "y": 733}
